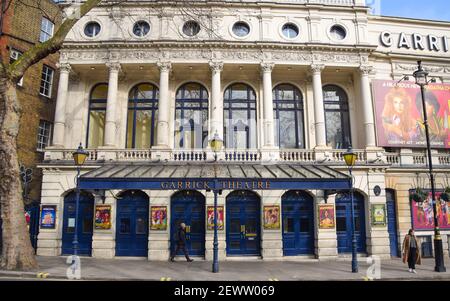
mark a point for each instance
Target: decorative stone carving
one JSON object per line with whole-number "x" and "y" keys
{"x": 64, "y": 67}
{"x": 216, "y": 66}
{"x": 164, "y": 66}
{"x": 113, "y": 66}
{"x": 408, "y": 67}
{"x": 267, "y": 67}
{"x": 317, "y": 68}
{"x": 365, "y": 69}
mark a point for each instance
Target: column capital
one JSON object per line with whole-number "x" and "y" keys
{"x": 164, "y": 66}
{"x": 216, "y": 66}
{"x": 365, "y": 69}
{"x": 64, "y": 67}
{"x": 113, "y": 66}
{"x": 267, "y": 67}
{"x": 317, "y": 68}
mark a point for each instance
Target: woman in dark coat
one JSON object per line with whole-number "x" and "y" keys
{"x": 411, "y": 251}
{"x": 181, "y": 243}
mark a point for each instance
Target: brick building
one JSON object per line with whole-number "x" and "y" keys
{"x": 24, "y": 24}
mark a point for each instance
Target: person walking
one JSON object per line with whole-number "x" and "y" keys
{"x": 410, "y": 250}
{"x": 181, "y": 243}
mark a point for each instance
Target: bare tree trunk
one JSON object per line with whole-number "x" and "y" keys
{"x": 17, "y": 250}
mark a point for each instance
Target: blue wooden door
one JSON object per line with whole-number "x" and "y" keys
{"x": 132, "y": 224}
{"x": 344, "y": 223}
{"x": 392, "y": 223}
{"x": 84, "y": 222}
{"x": 298, "y": 224}
{"x": 243, "y": 222}
{"x": 189, "y": 207}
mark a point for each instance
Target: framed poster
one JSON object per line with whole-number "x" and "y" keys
{"x": 102, "y": 217}
{"x": 326, "y": 216}
{"x": 48, "y": 216}
{"x": 272, "y": 217}
{"x": 379, "y": 215}
{"x": 423, "y": 216}
{"x": 210, "y": 212}
{"x": 159, "y": 218}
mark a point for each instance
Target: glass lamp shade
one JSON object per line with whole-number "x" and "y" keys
{"x": 421, "y": 75}
{"x": 79, "y": 156}
{"x": 216, "y": 143}
{"x": 350, "y": 157}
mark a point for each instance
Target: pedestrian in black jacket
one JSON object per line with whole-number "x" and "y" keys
{"x": 181, "y": 243}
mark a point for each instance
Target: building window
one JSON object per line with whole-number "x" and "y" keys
{"x": 97, "y": 116}
{"x": 43, "y": 139}
{"x": 337, "y": 118}
{"x": 191, "y": 117}
{"x": 14, "y": 56}
{"x": 241, "y": 29}
{"x": 338, "y": 32}
{"x": 92, "y": 29}
{"x": 46, "y": 81}
{"x": 288, "y": 112}
{"x": 47, "y": 28}
{"x": 290, "y": 31}
{"x": 142, "y": 116}
{"x": 191, "y": 28}
{"x": 240, "y": 117}
{"x": 141, "y": 28}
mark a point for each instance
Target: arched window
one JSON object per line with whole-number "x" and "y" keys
{"x": 288, "y": 113}
{"x": 337, "y": 117}
{"x": 191, "y": 117}
{"x": 142, "y": 116}
{"x": 240, "y": 117}
{"x": 97, "y": 114}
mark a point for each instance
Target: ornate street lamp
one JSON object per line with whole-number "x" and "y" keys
{"x": 350, "y": 160}
{"x": 79, "y": 157}
{"x": 216, "y": 144}
{"x": 421, "y": 77}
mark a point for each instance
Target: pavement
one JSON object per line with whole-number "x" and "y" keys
{"x": 55, "y": 268}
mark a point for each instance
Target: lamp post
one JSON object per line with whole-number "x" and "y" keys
{"x": 216, "y": 144}
{"x": 79, "y": 156}
{"x": 421, "y": 77}
{"x": 350, "y": 160}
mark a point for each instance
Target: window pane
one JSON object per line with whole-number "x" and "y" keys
{"x": 125, "y": 226}
{"x": 287, "y": 133}
{"x": 141, "y": 225}
{"x": 96, "y": 128}
{"x": 130, "y": 119}
{"x": 143, "y": 127}
{"x": 341, "y": 224}
{"x": 305, "y": 225}
{"x": 100, "y": 92}
{"x": 289, "y": 225}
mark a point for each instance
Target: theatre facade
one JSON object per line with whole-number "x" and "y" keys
{"x": 289, "y": 86}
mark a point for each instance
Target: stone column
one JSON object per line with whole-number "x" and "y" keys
{"x": 319, "y": 111}
{"x": 61, "y": 100}
{"x": 111, "y": 104}
{"x": 369, "y": 124}
{"x": 269, "y": 139}
{"x": 163, "y": 106}
{"x": 216, "y": 100}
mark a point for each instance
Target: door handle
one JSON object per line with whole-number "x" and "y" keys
{"x": 243, "y": 229}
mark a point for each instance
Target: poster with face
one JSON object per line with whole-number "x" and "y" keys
{"x": 48, "y": 217}
{"x": 399, "y": 114}
{"x": 379, "y": 215}
{"x": 158, "y": 218}
{"x": 423, "y": 216}
{"x": 219, "y": 218}
{"x": 272, "y": 217}
{"x": 103, "y": 217}
{"x": 326, "y": 216}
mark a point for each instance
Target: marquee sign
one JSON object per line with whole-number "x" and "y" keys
{"x": 415, "y": 41}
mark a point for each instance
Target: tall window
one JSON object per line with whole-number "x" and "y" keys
{"x": 337, "y": 117}
{"x": 97, "y": 116}
{"x": 46, "y": 81}
{"x": 47, "y": 28}
{"x": 191, "y": 117}
{"x": 240, "y": 117}
{"x": 43, "y": 139}
{"x": 142, "y": 116}
{"x": 14, "y": 56}
{"x": 288, "y": 113}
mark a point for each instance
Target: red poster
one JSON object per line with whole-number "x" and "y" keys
{"x": 423, "y": 216}
{"x": 399, "y": 117}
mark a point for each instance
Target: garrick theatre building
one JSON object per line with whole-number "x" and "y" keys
{"x": 289, "y": 86}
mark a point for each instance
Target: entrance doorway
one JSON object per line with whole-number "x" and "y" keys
{"x": 132, "y": 224}
{"x": 344, "y": 222}
{"x": 243, "y": 224}
{"x": 298, "y": 223}
{"x": 84, "y": 220}
{"x": 188, "y": 207}
{"x": 392, "y": 222}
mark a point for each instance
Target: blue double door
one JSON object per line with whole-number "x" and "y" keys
{"x": 132, "y": 224}
{"x": 188, "y": 207}
{"x": 84, "y": 221}
{"x": 243, "y": 224}
{"x": 344, "y": 224}
{"x": 298, "y": 223}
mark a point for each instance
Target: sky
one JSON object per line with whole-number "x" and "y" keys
{"x": 417, "y": 9}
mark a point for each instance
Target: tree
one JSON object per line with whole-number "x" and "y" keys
{"x": 17, "y": 251}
